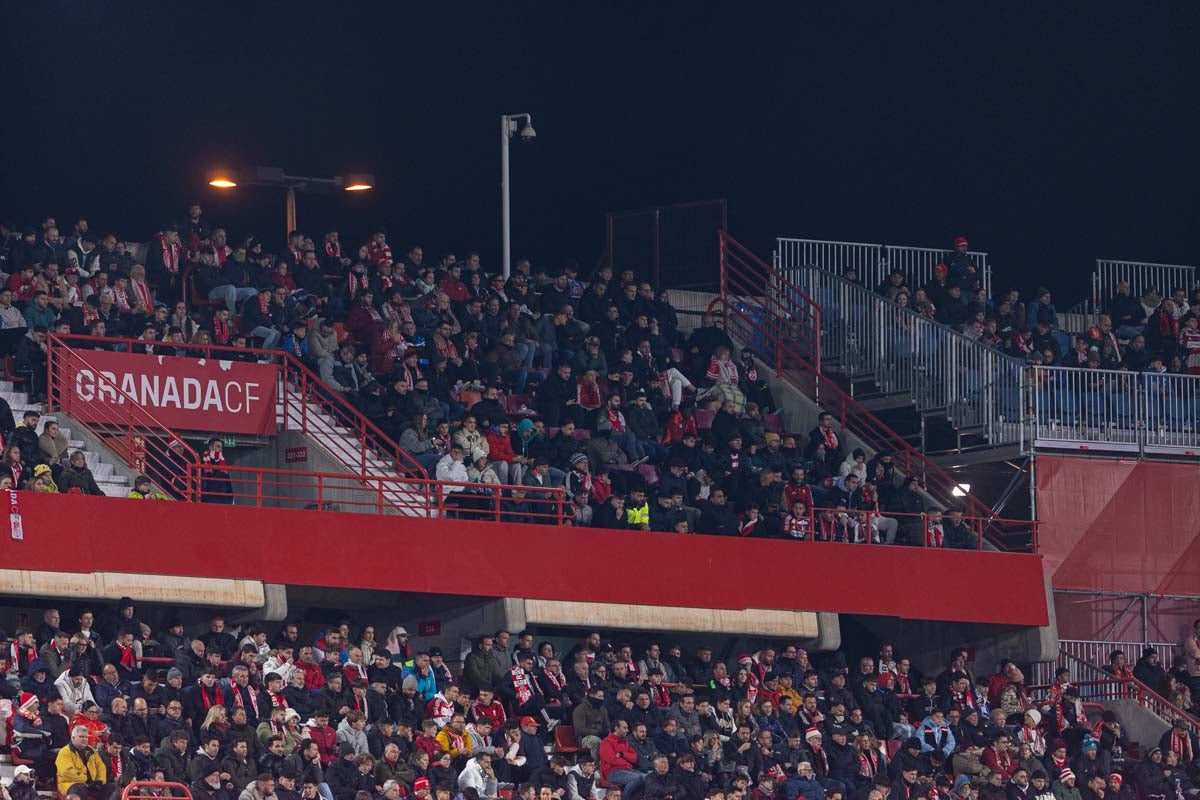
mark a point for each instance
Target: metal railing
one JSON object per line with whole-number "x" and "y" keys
{"x": 770, "y": 337}
{"x": 1141, "y": 275}
{"x": 1097, "y": 685}
{"x": 1111, "y": 411}
{"x": 865, "y": 335}
{"x": 873, "y": 262}
{"x": 915, "y": 530}
{"x": 129, "y": 430}
{"x": 307, "y": 404}
{"x": 1097, "y": 653}
{"x": 379, "y": 495}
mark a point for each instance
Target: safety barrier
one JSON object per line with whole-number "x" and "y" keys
{"x": 873, "y": 262}
{"x": 865, "y": 335}
{"x": 306, "y": 403}
{"x": 1112, "y": 411}
{"x": 1097, "y": 685}
{"x": 857, "y": 526}
{"x": 129, "y": 429}
{"x": 1097, "y": 653}
{"x": 790, "y": 344}
{"x": 323, "y": 491}
{"x": 1141, "y": 276}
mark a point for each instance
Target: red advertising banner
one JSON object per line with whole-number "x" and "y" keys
{"x": 191, "y": 394}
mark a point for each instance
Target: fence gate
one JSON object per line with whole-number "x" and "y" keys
{"x": 673, "y": 247}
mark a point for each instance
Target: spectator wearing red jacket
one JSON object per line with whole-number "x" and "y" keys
{"x": 617, "y": 759}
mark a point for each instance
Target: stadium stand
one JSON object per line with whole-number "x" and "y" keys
{"x": 337, "y": 709}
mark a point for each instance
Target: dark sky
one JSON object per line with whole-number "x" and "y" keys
{"x": 1049, "y": 133}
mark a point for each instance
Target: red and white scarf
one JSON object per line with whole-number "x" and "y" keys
{"x": 831, "y": 439}
{"x": 142, "y": 290}
{"x": 121, "y": 300}
{"x": 1181, "y": 745}
{"x": 128, "y": 659}
{"x": 333, "y": 249}
{"x": 170, "y": 254}
{"x": 614, "y": 419}
{"x": 522, "y": 685}
{"x": 221, "y": 332}
{"x": 358, "y": 283}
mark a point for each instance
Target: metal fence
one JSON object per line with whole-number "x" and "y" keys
{"x": 873, "y": 262}
{"x": 1141, "y": 276}
{"x": 864, "y": 335}
{"x": 1109, "y": 410}
{"x": 674, "y": 247}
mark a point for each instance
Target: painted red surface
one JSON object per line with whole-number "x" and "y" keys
{"x": 78, "y": 534}
{"x": 1123, "y": 526}
{"x": 183, "y": 393}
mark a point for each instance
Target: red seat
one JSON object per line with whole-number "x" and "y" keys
{"x": 893, "y": 748}
{"x": 10, "y": 371}
{"x": 564, "y": 740}
{"x": 704, "y": 418}
{"x": 676, "y": 355}
{"x": 506, "y": 794}
{"x": 513, "y": 403}
{"x": 582, "y": 434}
{"x": 773, "y": 422}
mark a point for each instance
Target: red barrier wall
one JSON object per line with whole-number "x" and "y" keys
{"x": 79, "y": 534}
{"x": 1121, "y": 526}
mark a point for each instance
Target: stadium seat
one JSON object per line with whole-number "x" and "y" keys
{"x": 704, "y": 418}
{"x": 564, "y": 741}
{"x": 773, "y": 423}
{"x": 649, "y": 474}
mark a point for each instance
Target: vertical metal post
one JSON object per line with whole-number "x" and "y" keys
{"x": 657, "y": 245}
{"x": 505, "y": 219}
{"x": 608, "y": 220}
{"x": 1145, "y": 619}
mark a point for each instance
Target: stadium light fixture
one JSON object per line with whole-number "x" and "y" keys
{"x": 222, "y": 178}
{"x": 961, "y": 490}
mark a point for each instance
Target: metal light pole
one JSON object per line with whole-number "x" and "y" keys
{"x": 508, "y": 127}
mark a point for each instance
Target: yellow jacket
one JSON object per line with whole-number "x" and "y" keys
{"x": 72, "y": 769}
{"x": 452, "y": 743}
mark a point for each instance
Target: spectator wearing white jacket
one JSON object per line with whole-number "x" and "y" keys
{"x": 74, "y": 689}
{"x": 479, "y": 775}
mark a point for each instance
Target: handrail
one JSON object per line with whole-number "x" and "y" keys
{"x": 326, "y": 491}
{"x": 853, "y": 417}
{"x": 860, "y": 517}
{"x": 1130, "y": 688}
{"x": 850, "y": 413}
{"x": 297, "y": 375}
{"x": 146, "y": 444}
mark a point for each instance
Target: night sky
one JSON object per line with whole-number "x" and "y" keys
{"x": 1048, "y": 133}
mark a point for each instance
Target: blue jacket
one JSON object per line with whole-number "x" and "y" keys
{"x": 934, "y": 737}
{"x": 798, "y": 787}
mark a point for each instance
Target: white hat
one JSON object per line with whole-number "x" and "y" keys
{"x": 23, "y": 770}
{"x": 400, "y": 631}
{"x": 1035, "y": 715}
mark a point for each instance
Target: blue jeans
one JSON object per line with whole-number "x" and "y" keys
{"x": 630, "y": 780}
{"x": 232, "y": 295}
{"x": 270, "y": 336}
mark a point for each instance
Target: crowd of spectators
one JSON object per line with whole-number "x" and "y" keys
{"x": 1151, "y": 333}
{"x": 345, "y": 711}
{"x": 536, "y": 380}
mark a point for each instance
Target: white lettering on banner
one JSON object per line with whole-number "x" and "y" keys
{"x": 156, "y": 391}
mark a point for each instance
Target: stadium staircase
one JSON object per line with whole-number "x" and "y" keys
{"x": 939, "y": 389}
{"x": 789, "y": 329}
{"x": 110, "y": 481}
{"x": 1143, "y": 713}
